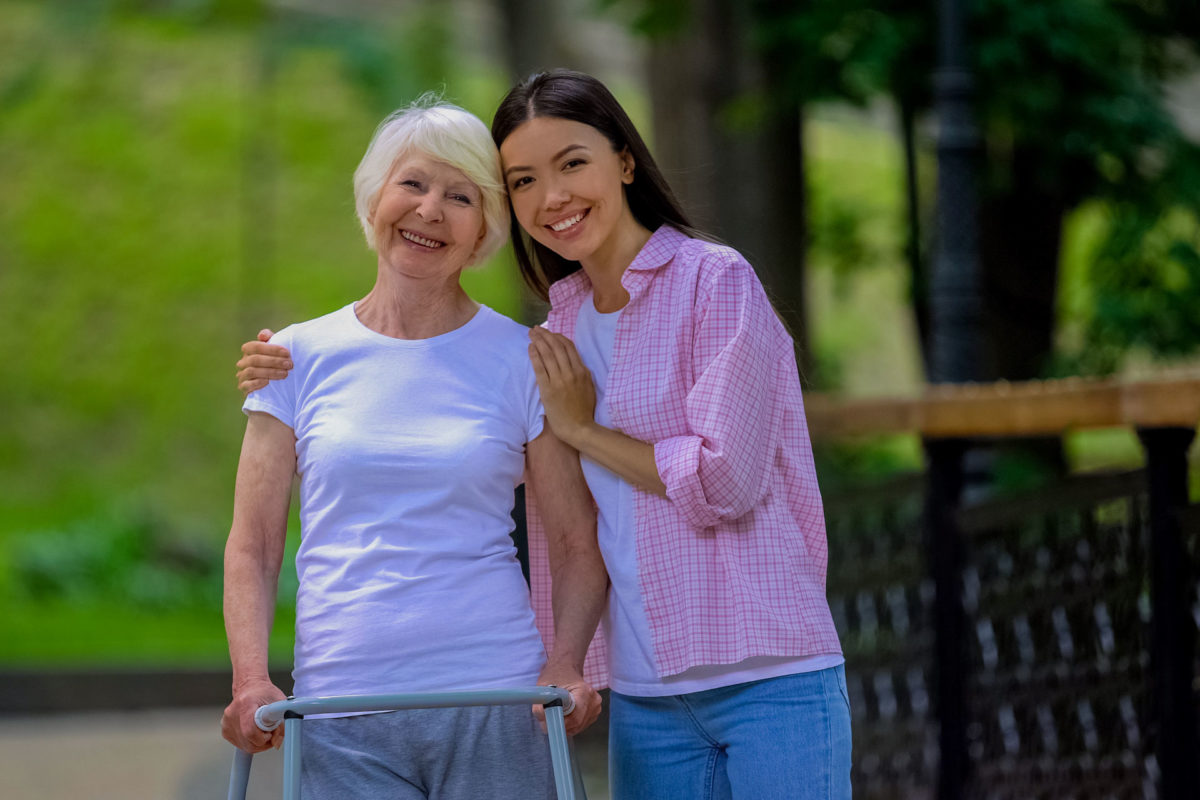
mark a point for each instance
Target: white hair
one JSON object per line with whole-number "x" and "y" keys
{"x": 444, "y": 132}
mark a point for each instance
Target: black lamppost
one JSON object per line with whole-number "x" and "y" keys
{"x": 955, "y": 357}
{"x": 956, "y": 352}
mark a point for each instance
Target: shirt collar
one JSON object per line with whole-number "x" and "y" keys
{"x": 658, "y": 250}
{"x": 566, "y": 289}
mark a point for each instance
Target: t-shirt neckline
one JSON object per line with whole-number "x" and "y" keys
{"x": 431, "y": 341}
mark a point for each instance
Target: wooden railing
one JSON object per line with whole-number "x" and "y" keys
{"x": 1012, "y": 409}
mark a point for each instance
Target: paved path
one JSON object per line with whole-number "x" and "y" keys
{"x": 151, "y": 755}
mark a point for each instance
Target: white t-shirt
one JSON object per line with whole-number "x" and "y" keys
{"x": 408, "y": 452}
{"x": 632, "y": 669}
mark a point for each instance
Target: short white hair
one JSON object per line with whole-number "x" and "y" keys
{"x": 444, "y": 132}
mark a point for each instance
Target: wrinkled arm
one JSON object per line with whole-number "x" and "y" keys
{"x": 253, "y": 555}
{"x": 579, "y": 582}
{"x": 261, "y": 362}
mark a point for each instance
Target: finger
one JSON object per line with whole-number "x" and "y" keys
{"x": 256, "y": 347}
{"x": 550, "y": 365}
{"x": 248, "y": 386}
{"x": 539, "y": 713}
{"x": 545, "y": 341}
{"x": 266, "y": 373}
{"x": 574, "y": 358}
{"x": 576, "y": 724}
{"x": 539, "y": 366}
{"x": 253, "y": 741}
{"x": 265, "y": 360}
{"x": 265, "y": 334}
{"x": 553, "y": 350}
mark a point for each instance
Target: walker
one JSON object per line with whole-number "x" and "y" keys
{"x": 568, "y": 781}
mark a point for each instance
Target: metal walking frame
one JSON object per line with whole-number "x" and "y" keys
{"x": 568, "y": 781}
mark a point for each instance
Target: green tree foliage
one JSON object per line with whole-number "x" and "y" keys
{"x": 175, "y": 176}
{"x": 1070, "y": 104}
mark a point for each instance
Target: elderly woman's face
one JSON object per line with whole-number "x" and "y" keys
{"x": 429, "y": 218}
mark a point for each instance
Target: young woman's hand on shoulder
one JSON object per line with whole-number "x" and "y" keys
{"x": 261, "y": 363}
{"x": 568, "y": 393}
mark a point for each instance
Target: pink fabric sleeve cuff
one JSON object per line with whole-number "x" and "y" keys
{"x": 678, "y": 463}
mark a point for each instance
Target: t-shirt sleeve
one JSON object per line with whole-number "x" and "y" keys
{"x": 277, "y": 398}
{"x": 535, "y": 414}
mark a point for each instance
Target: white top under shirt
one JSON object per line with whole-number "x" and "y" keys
{"x": 408, "y": 452}
{"x": 630, "y": 646}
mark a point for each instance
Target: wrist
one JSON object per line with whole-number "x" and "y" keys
{"x": 579, "y": 436}
{"x": 559, "y": 663}
{"x": 241, "y": 681}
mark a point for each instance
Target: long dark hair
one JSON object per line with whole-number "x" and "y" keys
{"x": 576, "y": 96}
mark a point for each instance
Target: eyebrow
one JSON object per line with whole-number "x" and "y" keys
{"x": 555, "y": 157}
{"x": 467, "y": 187}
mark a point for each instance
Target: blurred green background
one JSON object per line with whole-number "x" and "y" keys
{"x": 175, "y": 174}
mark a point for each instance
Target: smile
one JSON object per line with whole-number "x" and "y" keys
{"x": 421, "y": 240}
{"x": 569, "y": 222}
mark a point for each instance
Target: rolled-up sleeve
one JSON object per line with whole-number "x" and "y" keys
{"x": 721, "y": 468}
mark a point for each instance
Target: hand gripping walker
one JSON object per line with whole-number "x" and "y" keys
{"x": 557, "y": 702}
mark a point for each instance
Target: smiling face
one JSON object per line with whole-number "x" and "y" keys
{"x": 567, "y": 187}
{"x": 428, "y": 218}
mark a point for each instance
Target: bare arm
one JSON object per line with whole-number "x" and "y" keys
{"x": 570, "y": 401}
{"x": 579, "y": 582}
{"x": 261, "y": 362}
{"x": 253, "y": 555}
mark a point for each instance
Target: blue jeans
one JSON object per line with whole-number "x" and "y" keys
{"x": 784, "y": 738}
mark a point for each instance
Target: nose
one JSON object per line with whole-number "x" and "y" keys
{"x": 430, "y": 208}
{"x": 556, "y": 195}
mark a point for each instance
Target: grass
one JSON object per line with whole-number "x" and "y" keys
{"x": 112, "y": 634}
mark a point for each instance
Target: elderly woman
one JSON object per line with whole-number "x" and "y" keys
{"x": 410, "y": 416}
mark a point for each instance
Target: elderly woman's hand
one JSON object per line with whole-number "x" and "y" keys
{"x": 237, "y": 723}
{"x": 261, "y": 363}
{"x": 568, "y": 394}
{"x": 587, "y": 700}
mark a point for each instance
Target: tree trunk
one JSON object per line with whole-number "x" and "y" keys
{"x": 1021, "y": 235}
{"x": 740, "y": 177}
{"x": 530, "y": 36}
{"x": 913, "y": 251}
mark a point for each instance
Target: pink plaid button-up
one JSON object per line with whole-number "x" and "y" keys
{"x": 732, "y": 564}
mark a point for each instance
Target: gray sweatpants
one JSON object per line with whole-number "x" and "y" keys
{"x": 498, "y": 752}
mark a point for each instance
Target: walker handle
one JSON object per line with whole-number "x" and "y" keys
{"x": 265, "y": 720}
{"x": 568, "y": 704}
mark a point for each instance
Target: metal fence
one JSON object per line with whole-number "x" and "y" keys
{"x": 1055, "y": 656}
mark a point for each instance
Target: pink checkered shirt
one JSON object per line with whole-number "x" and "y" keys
{"x": 733, "y": 564}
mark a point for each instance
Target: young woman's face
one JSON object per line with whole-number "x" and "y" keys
{"x": 567, "y": 186}
{"x": 429, "y": 218}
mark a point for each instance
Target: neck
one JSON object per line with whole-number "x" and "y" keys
{"x": 415, "y": 309}
{"x": 607, "y": 266}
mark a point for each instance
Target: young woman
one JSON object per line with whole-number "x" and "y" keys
{"x": 663, "y": 363}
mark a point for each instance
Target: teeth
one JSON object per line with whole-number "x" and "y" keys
{"x": 421, "y": 240}
{"x": 559, "y": 227}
